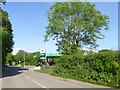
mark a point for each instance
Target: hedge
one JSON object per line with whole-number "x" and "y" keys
{"x": 100, "y": 68}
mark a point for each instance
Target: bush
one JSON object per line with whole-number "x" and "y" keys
{"x": 101, "y": 68}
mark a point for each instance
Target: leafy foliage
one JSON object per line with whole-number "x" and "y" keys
{"x": 101, "y": 68}
{"x": 9, "y": 58}
{"x": 20, "y": 56}
{"x": 3, "y": 2}
{"x": 7, "y": 35}
{"x": 29, "y": 60}
{"x": 75, "y": 25}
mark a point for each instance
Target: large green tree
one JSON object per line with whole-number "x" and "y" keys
{"x": 30, "y": 60}
{"x": 20, "y": 56}
{"x": 75, "y": 25}
{"x": 7, "y": 35}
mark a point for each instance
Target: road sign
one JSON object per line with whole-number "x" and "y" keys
{"x": 42, "y": 54}
{"x": 42, "y": 50}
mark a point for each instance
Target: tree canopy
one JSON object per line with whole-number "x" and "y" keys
{"x": 29, "y": 60}
{"x": 75, "y": 25}
{"x": 3, "y": 1}
{"x": 20, "y": 56}
{"x": 7, "y": 35}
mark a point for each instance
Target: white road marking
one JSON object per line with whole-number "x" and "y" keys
{"x": 39, "y": 84}
{"x": 58, "y": 80}
{"x": 36, "y": 82}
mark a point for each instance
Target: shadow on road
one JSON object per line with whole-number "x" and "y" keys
{"x": 12, "y": 71}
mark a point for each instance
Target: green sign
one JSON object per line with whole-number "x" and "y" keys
{"x": 43, "y": 56}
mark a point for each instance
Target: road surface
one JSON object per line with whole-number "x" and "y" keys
{"x": 17, "y": 77}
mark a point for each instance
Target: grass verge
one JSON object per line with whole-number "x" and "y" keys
{"x": 47, "y": 70}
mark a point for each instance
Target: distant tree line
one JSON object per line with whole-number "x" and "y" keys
{"x": 21, "y": 56}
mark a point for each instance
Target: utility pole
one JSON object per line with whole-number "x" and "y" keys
{"x": 24, "y": 58}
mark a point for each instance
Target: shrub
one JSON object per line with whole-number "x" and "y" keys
{"x": 102, "y": 68}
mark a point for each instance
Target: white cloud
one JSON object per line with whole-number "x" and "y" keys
{"x": 15, "y": 50}
{"x": 88, "y": 49}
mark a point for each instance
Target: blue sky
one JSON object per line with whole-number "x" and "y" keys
{"x": 29, "y": 21}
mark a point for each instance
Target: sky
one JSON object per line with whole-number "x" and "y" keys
{"x": 29, "y": 21}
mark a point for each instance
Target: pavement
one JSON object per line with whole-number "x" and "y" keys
{"x": 18, "y": 77}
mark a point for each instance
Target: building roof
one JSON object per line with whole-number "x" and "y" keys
{"x": 53, "y": 55}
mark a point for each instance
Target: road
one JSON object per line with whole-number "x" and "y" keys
{"x": 17, "y": 77}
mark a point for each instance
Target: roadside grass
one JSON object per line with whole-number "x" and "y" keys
{"x": 47, "y": 70}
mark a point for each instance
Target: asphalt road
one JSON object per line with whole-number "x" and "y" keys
{"x": 16, "y": 77}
